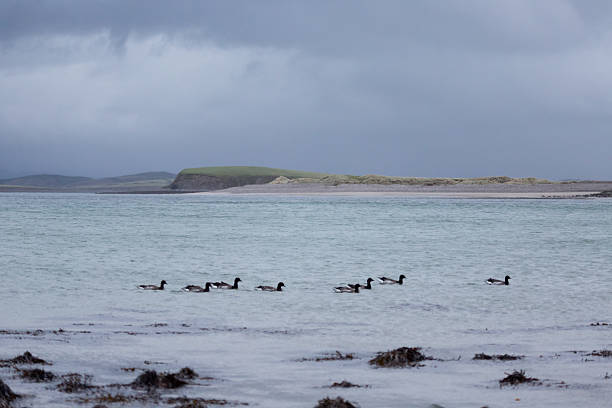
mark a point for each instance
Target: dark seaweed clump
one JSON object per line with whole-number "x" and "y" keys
{"x": 516, "y": 378}
{"x": 193, "y": 403}
{"x": 607, "y": 193}
{"x": 601, "y": 353}
{"x": 7, "y": 396}
{"x": 75, "y": 382}
{"x": 118, "y": 399}
{"x": 334, "y": 403}
{"x": 502, "y": 357}
{"x": 186, "y": 402}
{"x": 344, "y": 384}
{"x": 150, "y": 379}
{"x": 332, "y": 357}
{"x": 401, "y": 357}
{"x": 187, "y": 373}
{"x": 37, "y": 375}
{"x": 25, "y": 358}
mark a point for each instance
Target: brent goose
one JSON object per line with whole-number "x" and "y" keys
{"x": 368, "y": 285}
{"x": 347, "y": 289}
{"x": 223, "y": 285}
{"x": 278, "y": 288}
{"x": 154, "y": 287}
{"x": 195, "y": 288}
{"x": 388, "y": 281}
{"x": 492, "y": 281}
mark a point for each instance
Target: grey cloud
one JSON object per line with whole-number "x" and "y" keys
{"x": 425, "y": 88}
{"x": 331, "y": 26}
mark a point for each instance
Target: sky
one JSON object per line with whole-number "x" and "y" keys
{"x": 426, "y": 88}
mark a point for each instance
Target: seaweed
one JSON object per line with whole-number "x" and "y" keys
{"x": 606, "y": 193}
{"x": 118, "y": 398}
{"x": 25, "y": 358}
{"x": 170, "y": 380}
{"x": 7, "y": 396}
{"x": 401, "y": 357}
{"x": 192, "y": 403}
{"x": 37, "y": 375}
{"x": 502, "y": 357}
{"x": 344, "y": 384}
{"x": 74, "y": 382}
{"x": 331, "y": 357}
{"x": 37, "y": 332}
{"x": 186, "y": 373}
{"x": 601, "y": 353}
{"x": 518, "y": 377}
{"x": 150, "y": 379}
{"x": 334, "y": 403}
{"x": 186, "y": 402}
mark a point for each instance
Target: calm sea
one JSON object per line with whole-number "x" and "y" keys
{"x": 73, "y": 261}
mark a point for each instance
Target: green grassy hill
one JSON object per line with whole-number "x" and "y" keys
{"x": 150, "y": 179}
{"x": 251, "y": 171}
{"x": 215, "y": 178}
{"x": 45, "y": 180}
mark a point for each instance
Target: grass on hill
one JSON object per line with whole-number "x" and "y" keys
{"x": 45, "y": 180}
{"x": 251, "y": 171}
{"x": 70, "y": 183}
{"x": 336, "y": 179}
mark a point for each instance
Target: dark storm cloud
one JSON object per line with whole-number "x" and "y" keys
{"x": 431, "y": 88}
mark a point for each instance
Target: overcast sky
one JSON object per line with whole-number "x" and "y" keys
{"x": 407, "y": 88}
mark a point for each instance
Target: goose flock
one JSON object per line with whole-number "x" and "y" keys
{"x": 349, "y": 288}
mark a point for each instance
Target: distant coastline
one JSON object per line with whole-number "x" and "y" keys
{"x": 269, "y": 181}
{"x": 51, "y": 183}
{"x": 586, "y": 189}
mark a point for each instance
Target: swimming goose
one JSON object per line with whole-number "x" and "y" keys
{"x": 347, "y": 289}
{"x": 388, "y": 281}
{"x": 368, "y": 285}
{"x": 195, "y": 288}
{"x": 492, "y": 281}
{"x": 223, "y": 285}
{"x": 154, "y": 287}
{"x": 278, "y": 288}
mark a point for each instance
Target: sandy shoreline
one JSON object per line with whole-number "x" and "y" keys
{"x": 524, "y": 191}
{"x": 578, "y": 195}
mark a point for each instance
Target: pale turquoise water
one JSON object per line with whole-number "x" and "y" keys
{"x": 69, "y": 259}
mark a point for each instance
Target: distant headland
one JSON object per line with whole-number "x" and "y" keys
{"x": 57, "y": 183}
{"x": 266, "y": 180}
{"x": 217, "y": 178}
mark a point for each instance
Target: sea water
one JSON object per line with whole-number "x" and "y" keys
{"x": 74, "y": 261}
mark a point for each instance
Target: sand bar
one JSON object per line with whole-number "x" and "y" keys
{"x": 505, "y": 190}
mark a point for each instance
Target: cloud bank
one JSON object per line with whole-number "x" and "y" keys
{"x": 429, "y": 88}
